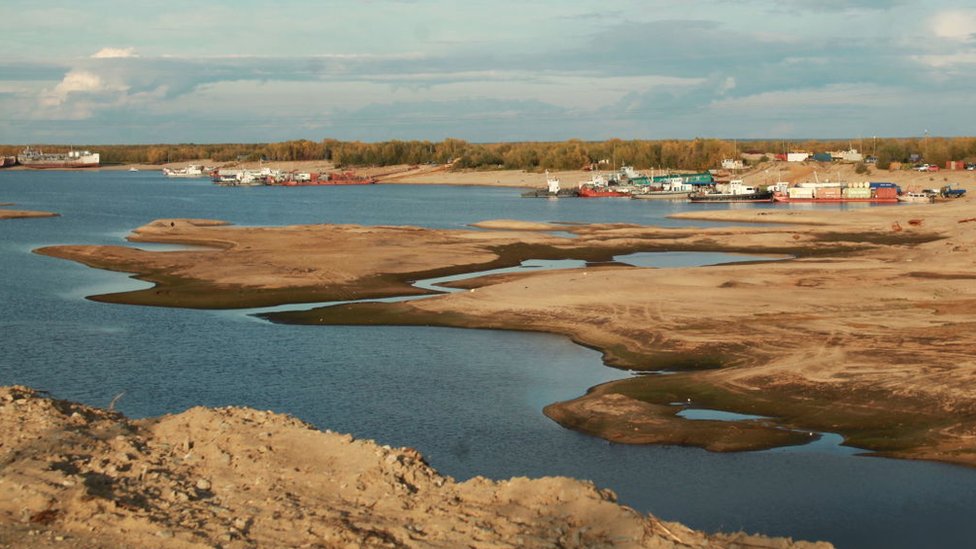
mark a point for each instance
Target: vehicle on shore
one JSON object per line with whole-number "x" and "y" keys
{"x": 946, "y": 192}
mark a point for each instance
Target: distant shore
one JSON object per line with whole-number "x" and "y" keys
{"x": 432, "y": 174}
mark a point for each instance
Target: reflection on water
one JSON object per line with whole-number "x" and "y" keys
{"x": 663, "y": 260}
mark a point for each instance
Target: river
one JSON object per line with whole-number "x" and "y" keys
{"x": 470, "y": 400}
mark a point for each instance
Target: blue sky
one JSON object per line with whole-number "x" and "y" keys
{"x": 246, "y": 71}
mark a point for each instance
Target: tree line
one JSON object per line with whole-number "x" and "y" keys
{"x": 574, "y": 154}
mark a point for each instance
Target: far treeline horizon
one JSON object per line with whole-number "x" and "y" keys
{"x": 574, "y": 154}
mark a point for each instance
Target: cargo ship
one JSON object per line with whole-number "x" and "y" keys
{"x": 825, "y": 193}
{"x": 34, "y": 158}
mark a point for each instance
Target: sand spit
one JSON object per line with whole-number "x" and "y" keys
{"x": 20, "y": 214}
{"x": 75, "y": 476}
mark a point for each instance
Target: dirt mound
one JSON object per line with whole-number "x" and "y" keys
{"x": 75, "y": 476}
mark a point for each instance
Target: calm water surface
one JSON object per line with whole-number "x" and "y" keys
{"x": 470, "y": 400}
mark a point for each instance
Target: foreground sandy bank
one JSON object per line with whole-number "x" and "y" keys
{"x": 75, "y": 476}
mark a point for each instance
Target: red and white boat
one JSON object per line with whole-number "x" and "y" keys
{"x": 599, "y": 186}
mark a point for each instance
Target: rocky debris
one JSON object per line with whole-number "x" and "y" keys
{"x": 75, "y": 476}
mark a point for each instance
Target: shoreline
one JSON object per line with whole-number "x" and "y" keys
{"x": 890, "y": 361}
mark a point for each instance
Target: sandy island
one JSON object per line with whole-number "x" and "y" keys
{"x": 868, "y": 332}
{"x": 20, "y": 214}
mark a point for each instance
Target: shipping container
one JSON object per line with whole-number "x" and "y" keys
{"x": 880, "y": 184}
{"x": 857, "y": 192}
{"x": 799, "y": 192}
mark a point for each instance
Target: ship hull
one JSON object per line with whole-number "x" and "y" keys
{"x": 713, "y": 198}
{"x": 58, "y": 165}
{"x": 661, "y": 196}
{"x": 33, "y": 158}
{"x": 786, "y": 199}
{"x": 592, "y": 193}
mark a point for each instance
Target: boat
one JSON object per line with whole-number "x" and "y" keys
{"x": 346, "y": 178}
{"x": 133, "y": 169}
{"x": 827, "y": 192}
{"x": 688, "y": 179}
{"x": 7, "y": 161}
{"x": 192, "y": 170}
{"x": 552, "y": 190}
{"x": 305, "y": 179}
{"x": 242, "y": 178}
{"x": 733, "y": 191}
{"x": 35, "y": 158}
{"x": 916, "y": 197}
{"x": 599, "y": 186}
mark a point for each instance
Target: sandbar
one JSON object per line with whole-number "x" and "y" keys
{"x": 868, "y": 331}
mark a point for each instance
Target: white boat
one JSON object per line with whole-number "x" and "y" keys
{"x": 190, "y": 171}
{"x": 733, "y": 191}
{"x": 916, "y": 198}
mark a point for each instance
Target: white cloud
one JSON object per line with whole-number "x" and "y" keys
{"x": 78, "y": 95}
{"x": 959, "y": 25}
{"x": 76, "y": 81}
{"x": 114, "y": 53}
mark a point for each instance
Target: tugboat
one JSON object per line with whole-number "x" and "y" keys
{"x": 733, "y": 191}
{"x": 552, "y": 190}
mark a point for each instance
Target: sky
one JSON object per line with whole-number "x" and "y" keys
{"x": 220, "y": 71}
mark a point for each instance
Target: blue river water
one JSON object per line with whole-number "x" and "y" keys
{"x": 470, "y": 400}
